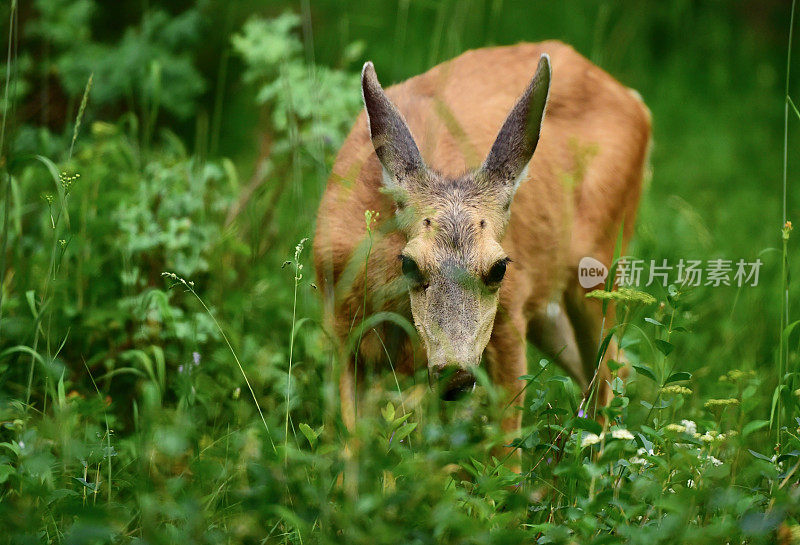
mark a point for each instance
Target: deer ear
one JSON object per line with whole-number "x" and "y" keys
{"x": 517, "y": 139}
{"x": 391, "y": 138}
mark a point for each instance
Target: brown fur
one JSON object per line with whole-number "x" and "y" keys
{"x": 584, "y": 180}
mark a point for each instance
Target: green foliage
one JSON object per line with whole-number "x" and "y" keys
{"x": 293, "y": 90}
{"x": 126, "y": 408}
{"x": 150, "y": 66}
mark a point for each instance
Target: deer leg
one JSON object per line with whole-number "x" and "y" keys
{"x": 551, "y": 332}
{"x": 588, "y": 322}
{"x": 347, "y": 396}
{"x": 348, "y": 479}
{"x": 507, "y": 363}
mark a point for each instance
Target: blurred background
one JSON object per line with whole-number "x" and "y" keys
{"x": 202, "y": 133}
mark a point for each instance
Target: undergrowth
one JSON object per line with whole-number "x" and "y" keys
{"x": 164, "y": 375}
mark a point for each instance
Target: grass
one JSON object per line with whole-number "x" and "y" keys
{"x": 121, "y": 414}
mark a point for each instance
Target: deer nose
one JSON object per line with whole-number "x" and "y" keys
{"x": 454, "y": 381}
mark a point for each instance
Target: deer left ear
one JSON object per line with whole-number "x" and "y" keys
{"x": 515, "y": 143}
{"x": 390, "y": 135}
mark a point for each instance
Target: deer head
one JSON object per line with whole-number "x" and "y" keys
{"x": 453, "y": 261}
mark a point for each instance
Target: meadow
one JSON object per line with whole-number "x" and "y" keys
{"x": 164, "y": 373}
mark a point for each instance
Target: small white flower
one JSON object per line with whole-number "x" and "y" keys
{"x": 707, "y": 438}
{"x": 590, "y": 439}
{"x": 690, "y": 483}
{"x": 621, "y": 434}
{"x": 691, "y": 427}
{"x": 716, "y": 461}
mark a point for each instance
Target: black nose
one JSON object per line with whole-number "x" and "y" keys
{"x": 454, "y": 382}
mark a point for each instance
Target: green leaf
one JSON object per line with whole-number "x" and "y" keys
{"x": 679, "y": 376}
{"x": 662, "y": 404}
{"x": 788, "y": 330}
{"x": 755, "y": 425}
{"x": 310, "y": 434}
{"x": 644, "y": 441}
{"x": 13, "y": 447}
{"x": 30, "y": 296}
{"x": 404, "y": 431}
{"x": 794, "y": 108}
{"x": 603, "y": 347}
{"x": 84, "y": 482}
{"x": 5, "y": 472}
{"x": 62, "y": 397}
{"x": 587, "y": 424}
{"x": 388, "y": 412}
{"x": 760, "y": 456}
{"x": 614, "y": 365}
{"x": 775, "y": 397}
{"x": 654, "y": 322}
{"x": 645, "y": 370}
{"x": 24, "y": 349}
{"x": 664, "y": 347}
{"x": 399, "y": 420}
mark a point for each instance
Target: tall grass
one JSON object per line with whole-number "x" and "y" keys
{"x": 108, "y": 435}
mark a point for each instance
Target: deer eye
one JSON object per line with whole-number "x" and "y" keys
{"x": 497, "y": 272}
{"x": 411, "y": 271}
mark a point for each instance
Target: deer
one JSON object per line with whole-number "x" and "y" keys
{"x": 485, "y": 181}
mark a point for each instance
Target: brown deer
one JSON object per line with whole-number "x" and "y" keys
{"x": 481, "y": 256}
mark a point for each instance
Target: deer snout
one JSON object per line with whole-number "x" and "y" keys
{"x": 453, "y": 381}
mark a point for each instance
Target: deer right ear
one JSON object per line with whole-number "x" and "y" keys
{"x": 519, "y": 135}
{"x": 391, "y": 138}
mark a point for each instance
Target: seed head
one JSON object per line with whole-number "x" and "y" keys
{"x": 67, "y": 181}
{"x": 720, "y": 403}
{"x": 675, "y": 389}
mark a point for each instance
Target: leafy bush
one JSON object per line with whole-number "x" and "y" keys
{"x": 200, "y": 405}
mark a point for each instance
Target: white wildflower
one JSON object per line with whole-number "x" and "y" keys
{"x": 690, "y": 483}
{"x": 691, "y": 427}
{"x": 638, "y": 460}
{"x": 716, "y": 461}
{"x": 590, "y": 439}
{"x": 621, "y": 434}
